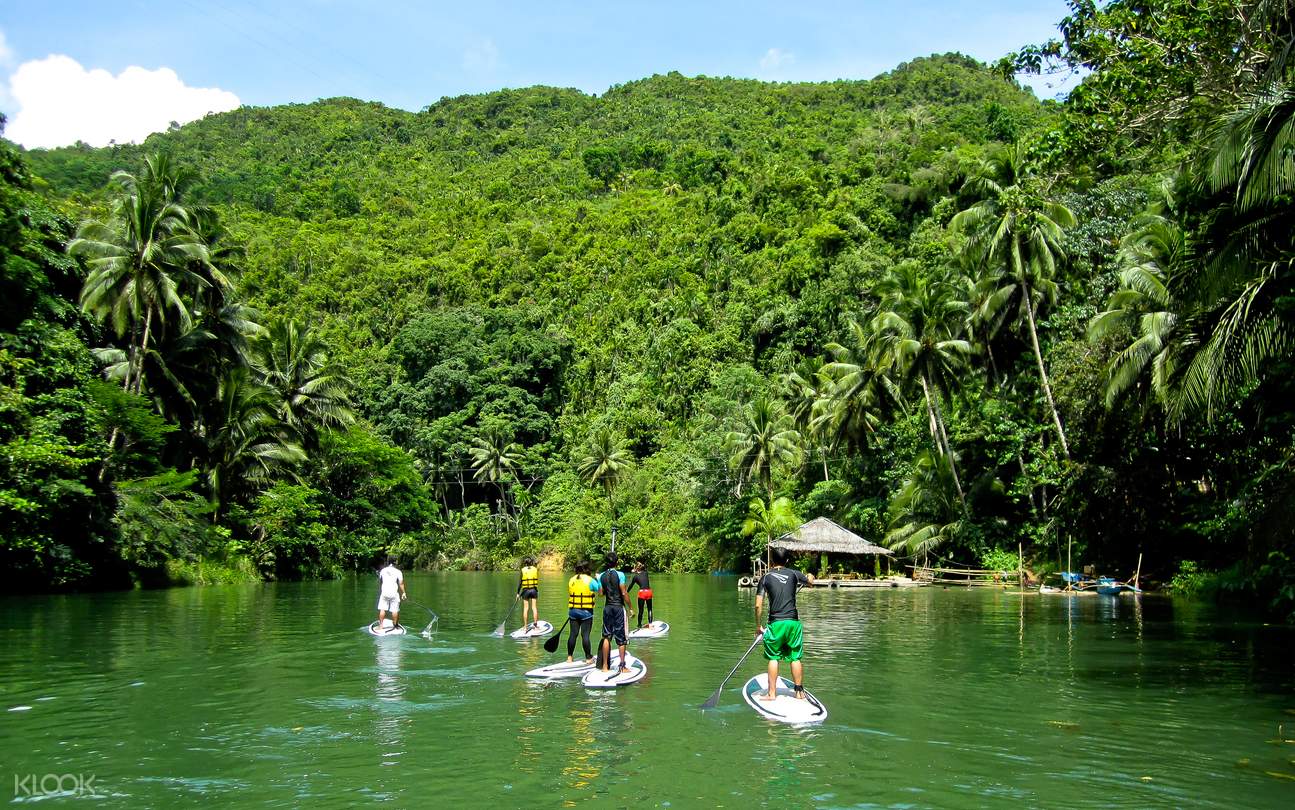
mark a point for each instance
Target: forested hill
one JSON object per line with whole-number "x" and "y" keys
{"x": 697, "y": 309}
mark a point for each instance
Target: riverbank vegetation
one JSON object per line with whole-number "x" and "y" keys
{"x": 948, "y": 316}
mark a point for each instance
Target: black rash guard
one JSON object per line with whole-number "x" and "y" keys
{"x": 780, "y": 584}
{"x": 640, "y": 579}
{"x": 610, "y": 581}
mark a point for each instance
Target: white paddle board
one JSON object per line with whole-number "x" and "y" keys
{"x": 540, "y": 628}
{"x": 575, "y": 669}
{"x": 612, "y": 678}
{"x": 784, "y": 708}
{"x": 652, "y": 630}
{"x": 385, "y": 630}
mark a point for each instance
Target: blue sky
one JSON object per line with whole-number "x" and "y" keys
{"x": 409, "y": 54}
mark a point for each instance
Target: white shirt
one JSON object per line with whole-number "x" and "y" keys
{"x": 390, "y": 577}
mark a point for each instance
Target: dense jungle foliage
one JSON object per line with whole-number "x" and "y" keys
{"x": 693, "y": 311}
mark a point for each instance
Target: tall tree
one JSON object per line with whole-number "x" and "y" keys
{"x": 495, "y": 458}
{"x": 1016, "y": 239}
{"x": 605, "y": 460}
{"x": 767, "y": 439}
{"x": 919, "y": 334}
{"x": 312, "y": 393}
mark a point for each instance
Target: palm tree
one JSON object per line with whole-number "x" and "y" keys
{"x": 856, "y": 392}
{"x": 767, "y": 439}
{"x": 312, "y": 394}
{"x": 604, "y": 462}
{"x": 247, "y": 444}
{"x": 140, "y": 259}
{"x": 923, "y": 513}
{"x": 1152, "y": 258}
{"x": 807, "y": 390}
{"x": 495, "y": 457}
{"x": 769, "y": 521}
{"x": 1240, "y": 287}
{"x": 918, "y": 332}
{"x": 1016, "y": 238}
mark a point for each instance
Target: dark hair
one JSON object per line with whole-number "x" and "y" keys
{"x": 391, "y": 559}
{"x": 610, "y": 558}
{"x": 643, "y": 561}
{"x": 582, "y": 567}
{"x": 779, "y": 555}
{"x": 528, "y": 560}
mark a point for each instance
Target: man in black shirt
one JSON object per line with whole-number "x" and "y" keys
{"x": 783, "y": 637}
{"x": 612, "y": 584}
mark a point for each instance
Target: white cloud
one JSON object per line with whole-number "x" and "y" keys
{"x": 6, "y": 53}
{"x": 482, "y": 57}
{"x": 59, "y": 102}
{"x": 776, "y": 58}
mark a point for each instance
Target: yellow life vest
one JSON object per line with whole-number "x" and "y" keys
{"x": 579, "y": 595}
{"x": 530, "y": 577}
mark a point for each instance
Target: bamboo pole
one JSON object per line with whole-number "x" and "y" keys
{"x": 1020, "y": 567}
{"x": 1138, "y": 572}
{"x": 1069, "y": 580}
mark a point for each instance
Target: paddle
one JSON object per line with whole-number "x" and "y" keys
{"x": 713, "y": 700}
{"x": 499, "y": 631}
{"x": 552, "y": 644}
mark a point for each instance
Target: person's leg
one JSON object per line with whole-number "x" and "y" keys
{"x": 640, "y": 618}
{"x": 624, "y": 632}
{"x": 798, "y": 678}
{"x": 649, "y": 601}
{"x": 395, "y": 618}
{"x": 586, "y": 626}
{"x": 604, "y": 654}
{"x": 571, "y": 640}
{"x": 773, "y": 679}
{"x": 382, "y": 617}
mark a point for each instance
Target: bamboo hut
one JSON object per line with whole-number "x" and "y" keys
{"x": 822, "y": 536}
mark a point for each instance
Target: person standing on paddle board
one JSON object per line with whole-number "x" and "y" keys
{"x": 615, "y": 618}
{"x": 392, "y": 590}
{"x": 528, "y": 587}
{"x": 580, "y": 609}
{"x": 644, "y": 592}
{"x": 783, "y": 637}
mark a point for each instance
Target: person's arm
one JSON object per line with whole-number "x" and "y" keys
{"x": 759, "y": 607}
{"x": 519, "y": 582}
{"x": 807, "y": 579}
{"x": 403, "y": 594}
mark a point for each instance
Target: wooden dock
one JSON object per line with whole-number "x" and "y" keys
{"x": 964, "y": 577}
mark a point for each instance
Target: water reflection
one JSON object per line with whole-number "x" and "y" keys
{"x": 390, "y": 692}
{"x": 579, "y": 769}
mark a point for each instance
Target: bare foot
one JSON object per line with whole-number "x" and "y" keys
{"x": 769, "y": 697}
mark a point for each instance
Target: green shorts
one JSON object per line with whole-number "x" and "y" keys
{"x": 782, "y": 641}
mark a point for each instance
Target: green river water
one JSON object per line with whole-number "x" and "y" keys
{"x": 271, "y": 695}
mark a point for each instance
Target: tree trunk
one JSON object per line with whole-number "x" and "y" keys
{"x": 143, "y": 347}
{"x": 1043, "y": 374}
{"x": 942, "y": 436}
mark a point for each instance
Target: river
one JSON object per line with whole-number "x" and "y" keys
{"x": 272, "y": 696}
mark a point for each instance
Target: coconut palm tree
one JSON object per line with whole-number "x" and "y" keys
{"x": 495, "y": 458}
{"x": 140, "y": 259}
{"x": 1241, "y": 284}
{"x": 858, "y": 391}
{"x": 766, "y": 439}
{"x": 767, "y": 521}
{"x": 312, "y": 394}
{"x": 924, "y": 514}
{"x": 247, "y": 444}
{"x": 1151, "y": 258}
{"x": 919, "y": 334}
{"x": 604, "y": 462}
{"x": 1016, "y": 239}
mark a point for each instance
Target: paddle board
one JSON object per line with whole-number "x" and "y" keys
{"x": 651, "y": 630}
{"x": 784, "y": 708}
{"x": 612, "y": 678}
{"x": 575, "y": 669}
{"x": 540, "y": 628}
{"x": 385, "y": 630}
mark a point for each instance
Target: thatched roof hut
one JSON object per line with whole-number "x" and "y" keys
{"x": 822, "y": 535}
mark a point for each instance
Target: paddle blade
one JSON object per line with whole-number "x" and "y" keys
{"x": 713, "y": 700}
{"x": 499, "y": 631}
{"x": 551, "y": 645}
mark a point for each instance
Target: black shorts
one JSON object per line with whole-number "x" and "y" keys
{"x": 530, "y": 593}
{"x": 614, "y": 623}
